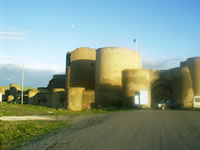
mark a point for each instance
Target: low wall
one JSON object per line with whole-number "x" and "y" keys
{"x": 3, "y": 90}
{"x": 14, "y": 88}
{"x": 32, "y": 100}
{"x": 79, "y": 99}
{"x": 53, "y": 99}
{"x": 57, "y": 99}
{"x": 88, "y": 100}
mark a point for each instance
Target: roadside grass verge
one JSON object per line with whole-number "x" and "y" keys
{"x": 13, "y": 133}
{"x": 9, "y": 109}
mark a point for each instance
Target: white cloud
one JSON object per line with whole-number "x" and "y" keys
{"x": 73, "y": 26}
{"x": 11, "y": 73}
{"x": 31, "y": 64}
{"x": 9, "y": 79}
{"x": 13, "y": 35}
{"x": 37, "y": 74}
{"x": 12, "y": 38}
{"x": 55, "y": 68}
{"x": 162, "y": 64}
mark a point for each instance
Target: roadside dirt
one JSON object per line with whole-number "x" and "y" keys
{"x": 22, "y": 118}
{"x": 50, "y": 118}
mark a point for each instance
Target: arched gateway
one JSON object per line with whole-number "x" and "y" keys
{"x": 161, "y": 89}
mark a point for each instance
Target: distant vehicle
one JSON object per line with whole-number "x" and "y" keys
{"x": 167, "y": 103}
{"x": 196, "y": 102}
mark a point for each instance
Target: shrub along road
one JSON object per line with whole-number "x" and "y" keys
{"x": 134, "y": 129}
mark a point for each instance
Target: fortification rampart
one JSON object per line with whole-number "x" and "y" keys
{"x": 112, "y": 77}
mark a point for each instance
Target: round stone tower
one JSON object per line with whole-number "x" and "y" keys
{"x": 81, "y": 68}
{"x": 190, "y": 81}
{"x": 194, "y": 67}
{"x": 110, "y": 62}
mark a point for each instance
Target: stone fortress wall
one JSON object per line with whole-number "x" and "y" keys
{"x": 111, "y": 77}
{"x": 119, "y": 76}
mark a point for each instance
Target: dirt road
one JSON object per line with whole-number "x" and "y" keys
{"x": 135, "y": 129}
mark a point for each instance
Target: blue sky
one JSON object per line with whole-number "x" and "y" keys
{"x": 38, "y": 33}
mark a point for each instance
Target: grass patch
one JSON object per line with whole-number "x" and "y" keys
{"x": 13, "y": 133}
{"x": 17, "y": 132}
{"x": 10, "y": 109}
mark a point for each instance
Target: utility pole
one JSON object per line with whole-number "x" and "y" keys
{"x": 22, "y": 94}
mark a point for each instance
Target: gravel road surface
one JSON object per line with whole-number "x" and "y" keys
{"x": 127, "y": 130}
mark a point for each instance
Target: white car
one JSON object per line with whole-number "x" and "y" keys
{"x": 196, "y": 102}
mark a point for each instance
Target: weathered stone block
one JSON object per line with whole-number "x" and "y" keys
{"x": 88, "y": 99}
{"x": 75, "y": 99}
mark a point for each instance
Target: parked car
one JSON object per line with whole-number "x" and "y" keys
{"x": 168, "y": 103}
{"x": 196, "y": 102}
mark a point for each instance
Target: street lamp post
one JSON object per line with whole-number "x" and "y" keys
{"x": 22, "y": 94}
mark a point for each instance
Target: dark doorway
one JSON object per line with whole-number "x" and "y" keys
{"x": 161, "y": 89}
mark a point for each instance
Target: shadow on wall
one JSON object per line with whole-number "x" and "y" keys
{"x": 107, "y": 95}
{"x": 80, "y": 99}
{"x": 58, "y": 82}
{"x": 161, "y": 89}
{"x": 13, "y": 91}
{"x": 83, "y": 74}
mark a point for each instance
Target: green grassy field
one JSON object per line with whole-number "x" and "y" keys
{"x": 16, "y": 132}
{"x": 10, "y": 109}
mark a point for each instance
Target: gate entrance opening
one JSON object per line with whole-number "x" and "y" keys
{"x": 161, "y": 90}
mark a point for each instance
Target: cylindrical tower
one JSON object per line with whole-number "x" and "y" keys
{"x": 110, "y": 62}
{"x": 134, "y": 81}
{"x": 194, "y": 67}
{"x": 187, "y": 93}
{"x": 81, "y": 65}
